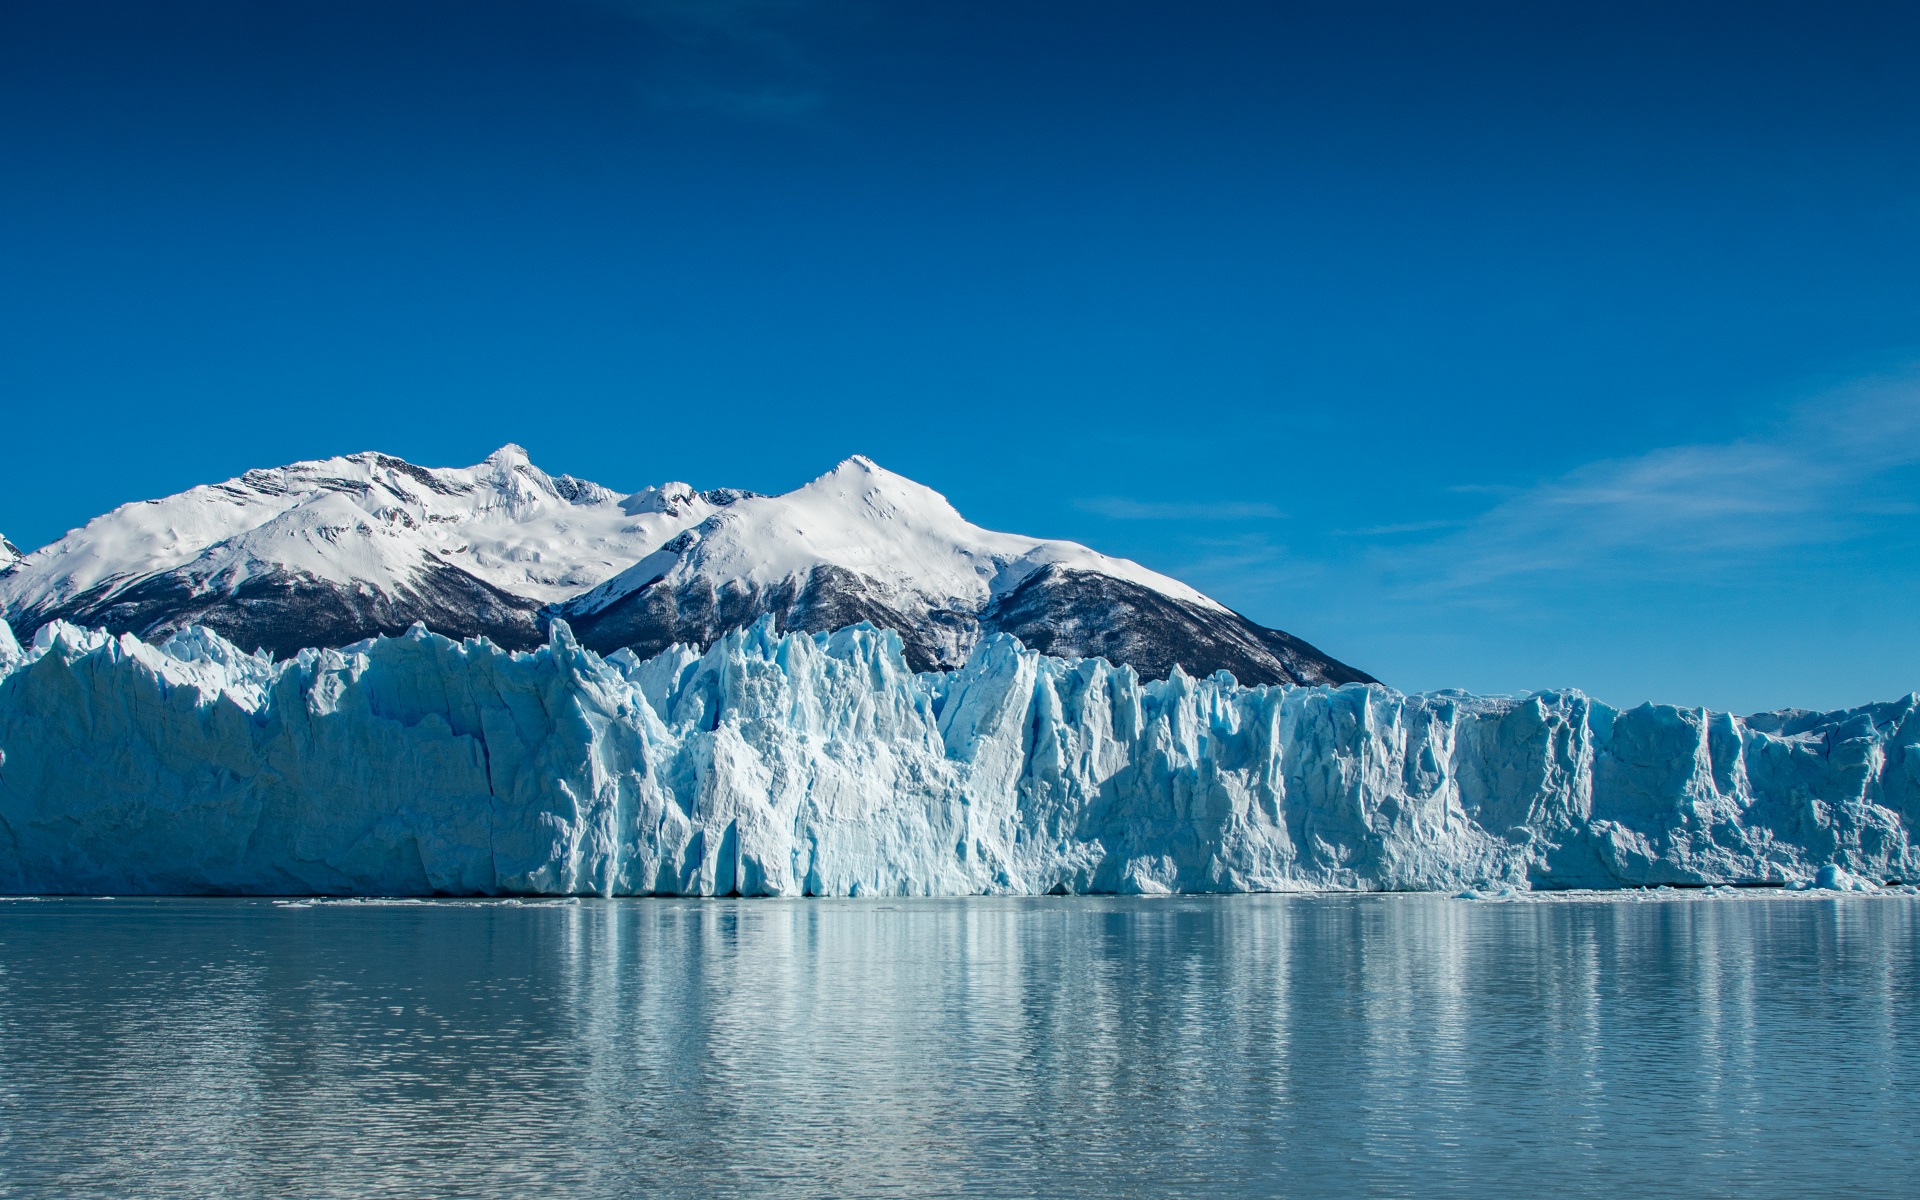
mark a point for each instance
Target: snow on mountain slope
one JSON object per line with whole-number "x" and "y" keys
{"x": 9, "y": 555}
{"x": 862, "y": 543}
{"x": 338, "y": 549}
{"x": 330, "y": 552}
{"x": 860, "y": 517}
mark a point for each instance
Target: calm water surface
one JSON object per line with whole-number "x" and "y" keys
{"x": 1242, "y": 1046}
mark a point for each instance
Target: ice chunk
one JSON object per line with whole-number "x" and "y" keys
{"x": 1835, "y": 878}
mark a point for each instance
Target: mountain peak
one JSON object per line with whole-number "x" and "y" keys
{"x": 674, "y": 497}
{"x": 871, "y": 490}
{"x": 860, "y": 471}
{"x": 329, "y": 537}
{"x": 331, "y": 551}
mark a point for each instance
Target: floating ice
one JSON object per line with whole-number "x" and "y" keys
{"x": 1835, "y": 878}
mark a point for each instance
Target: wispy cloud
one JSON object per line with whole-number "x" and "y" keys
{"x": 745, "y": 59}
{"x": 1819, "y": 477}
{"x": 1247, "y": 551}
{"x": 1404, "y": 527}
{"x": 1120, "y": 508}
{"x": 1491, "y": 489}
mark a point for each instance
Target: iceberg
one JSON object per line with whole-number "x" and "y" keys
{"x": 822, "y": 764}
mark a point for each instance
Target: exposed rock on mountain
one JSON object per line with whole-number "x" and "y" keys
{"x": 864, "y": 544}
{"x": 331, "y": 552}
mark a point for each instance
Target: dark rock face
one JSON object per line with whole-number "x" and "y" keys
{"x": 1083, "y": 614}
{"x": 284, "y": 612}
{"x": 828, "y": 598}
{"x": 1056, "y": 611}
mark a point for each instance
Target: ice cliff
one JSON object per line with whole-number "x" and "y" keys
{"x": 821, "y": 764}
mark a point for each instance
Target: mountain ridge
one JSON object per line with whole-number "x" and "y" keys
{"x": 331, "y": 551}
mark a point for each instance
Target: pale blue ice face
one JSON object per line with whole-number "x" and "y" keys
{"x": 821, "y": 765}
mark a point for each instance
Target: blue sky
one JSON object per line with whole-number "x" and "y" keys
{"x": 1495, "y": 347}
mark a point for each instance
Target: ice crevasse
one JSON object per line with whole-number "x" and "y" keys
{"x": 809, "y": 764}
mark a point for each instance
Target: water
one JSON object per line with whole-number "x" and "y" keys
{"x": 1238, "y": 1046}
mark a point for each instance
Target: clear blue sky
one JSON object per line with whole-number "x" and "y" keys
{"x": 1496, "y": 347}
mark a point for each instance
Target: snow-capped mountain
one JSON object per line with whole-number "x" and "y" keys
{"x": 329, "y": 552}
{"x": 336, "y": 550}
{"x": 862, "y": 543}
{"x": 9, "y": 554}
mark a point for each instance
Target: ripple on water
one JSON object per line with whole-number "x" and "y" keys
{"x": 1250, "y": 1045}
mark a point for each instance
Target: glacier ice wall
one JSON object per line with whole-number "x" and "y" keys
{"x": 822, "y": 765}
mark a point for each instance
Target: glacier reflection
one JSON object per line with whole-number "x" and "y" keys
{"x": 1243, "y": 1045}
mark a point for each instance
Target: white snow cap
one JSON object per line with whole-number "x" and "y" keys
{"x": 866, "y": 519}
{"x": 373, "y": 520}
{"x": 366, "y": 518}
{"x": 674, "y": 498}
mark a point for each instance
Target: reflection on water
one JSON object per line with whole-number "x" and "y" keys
{"x": 1309, "y": 1046}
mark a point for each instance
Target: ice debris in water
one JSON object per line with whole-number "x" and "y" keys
{"x": 1505, "y": 891}
{"x": 1835, "y": 878}
{"x": 823, "y": 765}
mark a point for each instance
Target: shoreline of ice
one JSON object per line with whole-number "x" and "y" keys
{"x": 822, "y": 765}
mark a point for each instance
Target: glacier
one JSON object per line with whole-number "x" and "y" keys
{"x": 822, "y": 764}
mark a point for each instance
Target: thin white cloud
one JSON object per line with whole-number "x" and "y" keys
{"x": 1403, "y": 527}
{"x": 744, "y": 59}
{"x": 1492, "y": 489}
{"x": 1120, "y": 508}
{"x": 1689, "y": 508}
